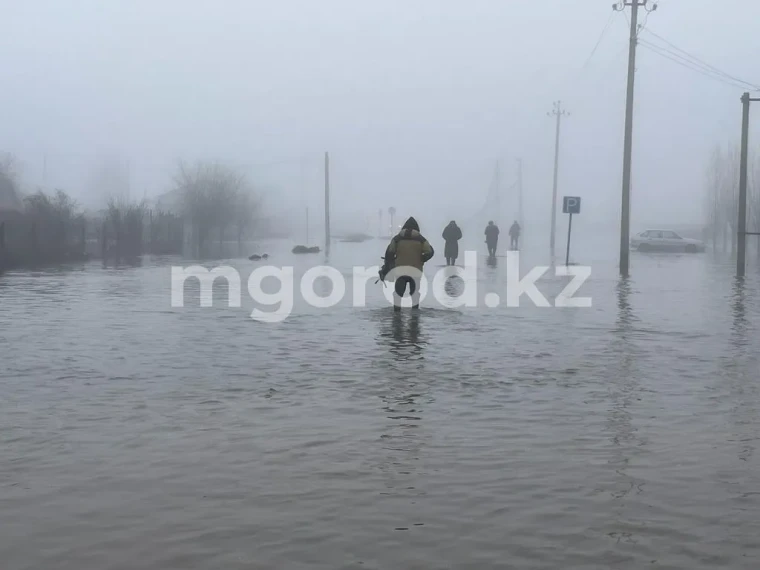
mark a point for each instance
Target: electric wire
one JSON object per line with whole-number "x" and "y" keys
{"x": 683, "y": 54}
{"x": 697, "y": 66}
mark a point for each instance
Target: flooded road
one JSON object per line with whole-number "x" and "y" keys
{"x": 136, "y": 435}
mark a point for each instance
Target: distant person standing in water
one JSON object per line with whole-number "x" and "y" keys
{"x": 514, "y": 235}
{"x": 492, "y": 238}
{"x": 410, "y": 250}
{"x": 451, "y": 235}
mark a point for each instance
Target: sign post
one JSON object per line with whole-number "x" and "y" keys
{"x": 570, "y": 205}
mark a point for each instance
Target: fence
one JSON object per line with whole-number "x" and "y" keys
{"x": 27, "y": 241}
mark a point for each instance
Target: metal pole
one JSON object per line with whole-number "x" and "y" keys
{"x": 558, "y": 112}
{"x": 519, "y": 193}
{"x": 569, "y": 227}
{"x": 741, "y": 249}
{"x": 625, "y": 216}
{"x": 327, "y": 203}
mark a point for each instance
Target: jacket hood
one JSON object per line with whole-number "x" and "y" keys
{"x": 411, "y": 224}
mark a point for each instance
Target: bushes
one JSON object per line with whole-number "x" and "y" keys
{"x": 124, "y": 228}
{"x": 49, "y": 229}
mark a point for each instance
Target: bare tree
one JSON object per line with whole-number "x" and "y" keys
{"x": 712, "y": 195}
{"x": 214, "y": 198}
{"x": 9, "y": 187}
{"x": 723, "y": 196}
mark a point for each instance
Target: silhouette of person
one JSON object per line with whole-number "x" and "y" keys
{"x": 492, "y": 238}
{"x": 451, "y": 235}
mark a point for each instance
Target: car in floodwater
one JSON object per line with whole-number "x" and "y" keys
{"x": 665, "y": 240}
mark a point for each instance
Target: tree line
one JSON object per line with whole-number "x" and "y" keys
{"x": 722, "y": 197}
{"x": 214, "y": 200}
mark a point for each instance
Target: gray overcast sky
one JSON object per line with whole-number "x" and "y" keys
{"x": 414, "y": 99}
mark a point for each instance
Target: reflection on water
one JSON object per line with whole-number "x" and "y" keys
{"x": 739, "y": 329}
{"x": 400, "y": 332}
{"x": 623, "y": 392}
{"x": 122, "y": 263}
{"x": 404, "y": 394}
{"x": 744, "y": 387}
{"x": 453, "y": 286}
{"x": 137, "y": 435}
{"x": 625, "y": 313}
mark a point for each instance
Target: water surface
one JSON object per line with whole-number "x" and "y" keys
{"x": 135, "y": 435}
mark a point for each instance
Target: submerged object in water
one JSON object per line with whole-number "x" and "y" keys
{"x": 356, "y": 238}
{"x": 256, "y": 257}
{"x": 305, "y": 249}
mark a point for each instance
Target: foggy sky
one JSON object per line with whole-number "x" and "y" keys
{"x": 415, "y": 101}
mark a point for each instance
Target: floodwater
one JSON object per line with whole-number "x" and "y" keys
{"x": 136, "y": 435}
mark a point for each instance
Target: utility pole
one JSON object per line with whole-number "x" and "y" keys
{"x": 519, "y": 193}
{"x": 327, "y": 202}
{"x": 741, "y": 250}
{"x": 625, "y": 215}
{"x": 558, "y": 112}
{"x": 129, "y": 178}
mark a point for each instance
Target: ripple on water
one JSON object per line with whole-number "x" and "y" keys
{"x": 136, "y": 435}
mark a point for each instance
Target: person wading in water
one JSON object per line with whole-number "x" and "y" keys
{"x": 514, "y": 235}
{"x": 407, "y": 252}
{"x": 492, "y": 238}
{"x": 451, "y": 235}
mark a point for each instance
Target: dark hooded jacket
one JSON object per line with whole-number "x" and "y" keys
{"x": 492, "y": 233}
{"x": 408, "y": 248}
{"x": 451, "y": 235}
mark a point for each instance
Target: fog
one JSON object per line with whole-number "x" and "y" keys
{"x": 415, "y": 101}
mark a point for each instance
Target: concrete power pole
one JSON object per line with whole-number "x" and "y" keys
{"x": 520, "y": 219}
{"x": 327, "y": 203}
{"x": 625, "y": 215}
{"x": 741, "y": 250}
{"x": 557, "y": 112}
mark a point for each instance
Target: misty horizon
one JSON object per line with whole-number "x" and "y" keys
{"x": 415, "y": 104}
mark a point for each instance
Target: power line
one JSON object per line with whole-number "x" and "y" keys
{"x": 599, "y": 41}
{"x": 686, "y": 55}
{"x": 693, "y": 66}
{"x": 643, "y": 26}
{"x": 683, "y": 62}
{"x": 568, "y": 82}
